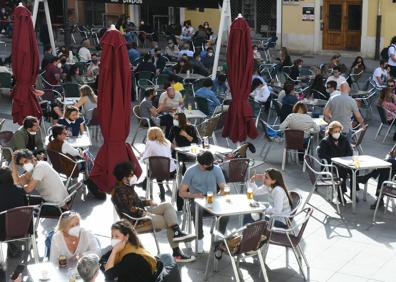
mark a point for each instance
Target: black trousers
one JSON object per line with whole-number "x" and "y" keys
{"x": 383, "y": 174}
{"x": 167, "y": 121}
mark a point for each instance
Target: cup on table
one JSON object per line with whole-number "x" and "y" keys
{"x": 44, "y": 274}
{"x": 62, "y": 260}
{"x": 193, "y": 148}
{"x": 190, "y": 108}
{"x": 226, "y": 190}
{"x": 249, "y": 193}
{"x": 209, "y": 198}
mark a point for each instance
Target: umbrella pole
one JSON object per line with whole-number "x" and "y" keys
{"x": 48, "y": 20}
{"x": 225, "y": 23}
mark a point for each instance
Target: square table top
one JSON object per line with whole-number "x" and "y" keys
{"x": 235, "y": 204}
{"x": 194, "y": 114}
{"x": 192, "y": 76}
{"x": 81, "y": 141}
{"x": 365, "y": 162}
{"x": 320, "y": 121}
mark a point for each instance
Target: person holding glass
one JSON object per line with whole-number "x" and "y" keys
{"x": 279, "y": 197}
{"x": 71, "y": 240}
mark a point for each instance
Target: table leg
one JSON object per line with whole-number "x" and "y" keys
{"x": 353, "y": 191}
{"x": 196, "y": 229}
{"x": 211, "y": 250}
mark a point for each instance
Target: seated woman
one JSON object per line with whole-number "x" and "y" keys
{"x": 163, "y": 215}
{"x": 260, "y": 91}
{"x": 300, "y": 120}
{"x": 318, "y": 86}
{"x": 183, "y": 66}
{"x": 71, "y": 240}
{"x": 288, "y": 98}
{"x": 58, "y": 142}
{"x": 387, "y": 101}
{"x": 357, "y": 69}
{"x": 128, "y": 260}
{"x": 88, "y": 101}
{"x": 280, "y": 200}
{"x": 72, "y": 121}
{"x": 334, "y": 145}
{"x": 157, "y": 145}
{"x": 73, "y": 75}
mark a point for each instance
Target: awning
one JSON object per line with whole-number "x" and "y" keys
{"x": 170, "y": 3}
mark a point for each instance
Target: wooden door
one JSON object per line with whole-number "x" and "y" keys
{"x": 342, "y": 21}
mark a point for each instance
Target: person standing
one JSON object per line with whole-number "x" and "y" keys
{"x": 392, "y": 57}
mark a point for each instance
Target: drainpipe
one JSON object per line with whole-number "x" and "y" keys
{"x": 378, "y": 30}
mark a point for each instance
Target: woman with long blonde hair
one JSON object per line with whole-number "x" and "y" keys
{"x": 88, "y": 101}
{"x": 158, "y": 146}
{"x": 71, "y": 240}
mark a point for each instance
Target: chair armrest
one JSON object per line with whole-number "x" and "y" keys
{"x": 137, "y": 219}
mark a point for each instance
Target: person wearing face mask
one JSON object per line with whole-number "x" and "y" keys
{"x": 341, "y": 108}
{"x": 128, "y": 260}
{"x": 209, "y": 58}
{"x": 337, "y": 77}
{"x": 28, "y": 136}
{"x": 38, "y": 176}
{"x": 335, "y": 144}
{"x": 53, "y": 72}
{"x": 172, "y": 50}
{"x": 71, "y": 240}
{"x": 163, "y": 215}
{"x": 158, "y": 146}
{"x": 198, "y": 180}
{"x": 197, "y": 65}
{"x": 159, "y": 61}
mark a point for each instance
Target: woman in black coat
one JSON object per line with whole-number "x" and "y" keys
{"x": 335, "y": 144}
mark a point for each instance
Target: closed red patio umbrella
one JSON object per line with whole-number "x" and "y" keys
{"x": 239, "y": 121}
{"x": 25, "y": 66}
{"x": 114, "y": 110}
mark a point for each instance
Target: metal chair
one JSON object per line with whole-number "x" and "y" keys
{"x": 5, "y": 82}
{"x": 145, "y": 75}
{"x": 252, "y": 240}
{"x": 57, "y": 208}
{"x": 5, "y": 146}
{"x": 236, "y": 172}
{"x": 323, "y": 179}
{"x": 290, "y": 238}
{"x": 388, "y": 189}
{"x": 202, "y": 104}
{"x": 143, "y": 84}
{"x": 161, "y": 80}
{"x": 357, "y": 139}
{"x": 158, "y": 169}
{"x": 319, "y": 94}
{"x": 138, "y": 224}
{"x": 384, "y": 122}
{"x": 269, "y": 140}
{"x": 2, "y": 121}
{"x": 71, "y": 90}
{"x": 143, "y": 123}
{"x": 67, "y": 167}
{"x": 294, "y": 141}
{"x": 94, "y": 123}
{"x": 18, "y": 227}
{"x": 208, "y": 127}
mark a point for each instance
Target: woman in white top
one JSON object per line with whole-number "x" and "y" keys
{"x": 72, "y": 241}
{"x": 88, "y": 102}
{"x": 260, "y": 91}
{"x": 279, "y": 197}
{"x": 300, "y": 120}
{"x": 157, "y": 145}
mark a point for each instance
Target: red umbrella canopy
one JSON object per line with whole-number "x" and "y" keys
{"x": 114, "y": 110}
{"x": 239, "y": 121}
{"x": 25, "y": 66}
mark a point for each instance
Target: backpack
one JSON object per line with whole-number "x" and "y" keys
{"x": 385, "y": 52}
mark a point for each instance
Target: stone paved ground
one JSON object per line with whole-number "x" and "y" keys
{"x": 349, "y": 249}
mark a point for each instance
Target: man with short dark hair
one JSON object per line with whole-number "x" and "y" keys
{"x": 163, "y": 215}
{"x": 337, "y": 77}
{"x": 39, "y": 176}
{"x": 381, "y": 75}
{"x": 198, "y": 180}
{"x": 133, "y": 52}
{"x": 207, "y": 93}
{"x": 146, "y": 64}
{"x": 28, "y": 136}
{"x": 198, "y": 66}
{"x": 208, "y": 61}
{"x": 147, "y": 110}
{"x": 159, "y": 61}
{"x": 331, "y": 88}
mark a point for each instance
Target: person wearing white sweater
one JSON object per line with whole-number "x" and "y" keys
{"x": 279, "y": 198}
{"x": 72, "y": 241}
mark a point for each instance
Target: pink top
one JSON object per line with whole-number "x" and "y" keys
{"x": 391, "y": 108}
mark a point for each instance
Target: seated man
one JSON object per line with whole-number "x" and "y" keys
{"x": 169, "y": 101}
{"x": 163, "y": 215}
{"x": 381, "y": 75}
{"x": 207, "y": 93}
{"x": 28, "y": 136}
{"x": 331, "y": 88}
{"x": 39, "y": 176}
{"x": 337, "y": 77}
{"x": 198, "y": 180}
{"x": 382, "y": 174}
{"x": 198, "y": 66}
{"x": 147, "y": 109}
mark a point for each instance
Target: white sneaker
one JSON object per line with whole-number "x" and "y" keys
{"x": 200, "y": 249}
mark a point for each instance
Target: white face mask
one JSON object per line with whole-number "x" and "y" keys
{"x": 59, "y": 65}
{"x": 28, "y": 167}
{"x": 32, "y": 132}
{"x": 133, "y": 180}
{"x": 210, "y": 54}
{"x": 74, "y": 231}
{"x": 175, "y": 122}
{"x": 336, "y": 135}
{"x": 114, "y": 242}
